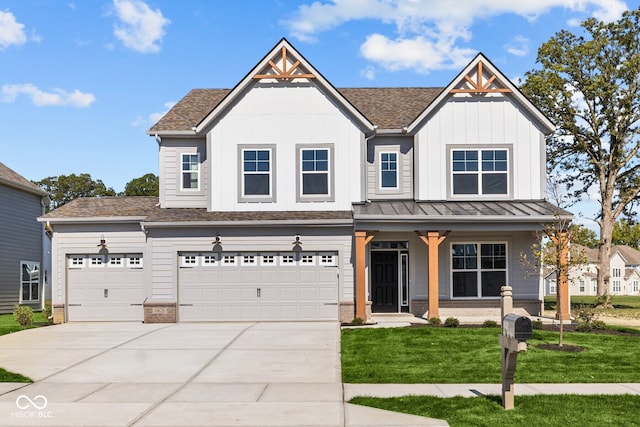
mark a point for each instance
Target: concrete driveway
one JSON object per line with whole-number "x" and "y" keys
{"x": 195, "y": 374}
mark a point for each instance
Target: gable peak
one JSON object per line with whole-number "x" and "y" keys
{"x": 284, "y": 65}
{"x": 480, "y": 79}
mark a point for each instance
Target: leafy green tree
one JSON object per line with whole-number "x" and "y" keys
{"x": 146, "y": 185}
{"x": 584, "y": 236}
{"x": 65, "y": 188}
{"x": 589, "y": 86}
{"x": 625, "y": 232}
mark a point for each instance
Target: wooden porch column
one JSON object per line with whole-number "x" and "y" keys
{"x": 563, "y": 303}
{"x": 432, "y": 239}
{"x": 362, "y": 240}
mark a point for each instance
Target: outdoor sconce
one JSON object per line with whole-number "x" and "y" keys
{"x": 217, "y": 241}
{"x": 103, "y": 242}
{"x": 297, "y": 243}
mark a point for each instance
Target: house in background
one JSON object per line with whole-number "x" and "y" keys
{"x": 286, "y": 198}
{"x": 23, "y": 242}
{"x": 624, "y": 276}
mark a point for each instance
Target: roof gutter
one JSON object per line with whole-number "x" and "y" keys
{"x": 87, "y": 220}
{"x": 249, "y": 223}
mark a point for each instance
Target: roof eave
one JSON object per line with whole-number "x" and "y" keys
{"x": 90, "y": 219}
{"x": 22, "y": 187}
{"x": 249, "y": 223}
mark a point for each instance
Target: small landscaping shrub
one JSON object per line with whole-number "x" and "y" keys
{"x": 587, "y": 319}
{"x": 23, "y": 315}
{"x": 537, "y": 324}
{"x": 357, "y": 321}
{"x": 435, "y": 321}
{"x": 490, "y": 324}
{"x": 598, "y": 324}
{"x": 451, "y": 322}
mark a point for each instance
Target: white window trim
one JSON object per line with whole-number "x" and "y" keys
{"x": 380, "y": 187}
{"x": 182, "y": 172}
{"x": 39, "y": 282}
{"x": 478, "y": 269}
{"x": 479, "y": 148}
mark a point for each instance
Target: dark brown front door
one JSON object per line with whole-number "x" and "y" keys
{"x": 384, "y": 282}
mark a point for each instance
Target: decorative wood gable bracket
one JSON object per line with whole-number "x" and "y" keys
{"x": 480, "y": 85}
{"x": 285, "y": 71}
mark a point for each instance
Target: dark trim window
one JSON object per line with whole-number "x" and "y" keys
{"x": 388, "y": 170}
{"x": 29, "y": 281}
{"x": 256, "y": 171}
{"x": 190, "y": 172}
{"x": 478, "y": 270}
{"x": 315, "y": 171}
{"x": 480, "y": 172}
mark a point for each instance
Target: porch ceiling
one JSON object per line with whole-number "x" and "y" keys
{"x": 458, "y": 215}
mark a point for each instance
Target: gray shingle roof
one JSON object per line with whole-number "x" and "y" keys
{"x": 146, "y": 209}
{"x": 388, "y": 108}
{"x": 630, "y": 255}
{"x": 10, "y": 177}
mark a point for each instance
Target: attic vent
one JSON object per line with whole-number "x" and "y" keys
{"x": 283, "y": 70}
{"x": 481, "y": 85}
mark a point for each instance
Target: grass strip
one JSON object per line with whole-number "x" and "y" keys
{"x": 537, "y": 410}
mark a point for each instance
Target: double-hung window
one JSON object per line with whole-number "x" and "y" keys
{"x": 478, "y": 269}
{"x": 388, "y": 170}
{"x": 315, "y": 173}
{"x": 29, "y": 281}
{"x": 257, "y": 174}
{"x": 190, "y": 172}
{"x": 480, "y": 172}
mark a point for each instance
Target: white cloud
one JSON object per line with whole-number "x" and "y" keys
{"x": 140, "y": 28}
{"x": 518, "y": 46}
{"x": 368, "y": 73}
{"x": 40, "y": 98}
{"x": 152, "y": 118}
{"x": 434, "y": 28}
{"x": 11, "y": 31}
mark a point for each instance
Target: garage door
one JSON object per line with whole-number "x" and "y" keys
{"x": 258, "y": 286}
{"x": 105, "y": 287}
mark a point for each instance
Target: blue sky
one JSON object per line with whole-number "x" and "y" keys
{"x": 81, "y": 81}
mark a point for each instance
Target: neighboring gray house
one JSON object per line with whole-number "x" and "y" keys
{"x": 285, "y": 198}
{"x": 23, "y": 242}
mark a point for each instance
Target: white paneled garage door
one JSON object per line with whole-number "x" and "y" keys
{"x": 105, "y": 287}
{"x": 258, "y": 286}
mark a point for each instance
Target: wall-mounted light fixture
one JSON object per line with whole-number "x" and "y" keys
{"x": 217, "y": 241}
{"x": 103, "y": 242}
{"x": 297, "y": 243}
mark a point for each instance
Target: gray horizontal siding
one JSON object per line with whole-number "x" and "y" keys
{"x": 20, "y": 240}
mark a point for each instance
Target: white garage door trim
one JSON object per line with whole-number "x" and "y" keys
{"x": 105, "y": 287}
{"x": 249, "y": 286}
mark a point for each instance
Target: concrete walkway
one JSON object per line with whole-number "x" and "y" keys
{"x": 195, "y": 374}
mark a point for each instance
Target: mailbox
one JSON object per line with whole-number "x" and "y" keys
{"x": 517, "y": 327}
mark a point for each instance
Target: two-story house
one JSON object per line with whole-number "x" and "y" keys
{"x": 286, "y": 198}
{"x": 23, "y": 242}
{"x": 624, "y": 273}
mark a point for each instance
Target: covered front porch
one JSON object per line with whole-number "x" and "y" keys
{"x": 442, "y": 259}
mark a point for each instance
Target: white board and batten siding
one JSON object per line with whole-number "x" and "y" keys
{"x": 494, "y": 121}
{"x": 403, "y": 147}
{"x": 100, "y": 284}
{"x": 287, "y": 117}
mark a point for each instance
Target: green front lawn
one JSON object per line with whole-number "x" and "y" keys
{"x": 9, "y": 325}
{"x": 472, "y": 355}
{"x": 539, "y": 410}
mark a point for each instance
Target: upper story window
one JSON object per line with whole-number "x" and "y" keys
{"x": 388, "y": 170}
{"x": 480, "y": 172}
{"x": 315, "y": 174}
{"x": 257, "y": 177}
{"x": 190, "y": 171}
{"x": 616, "y": 272}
